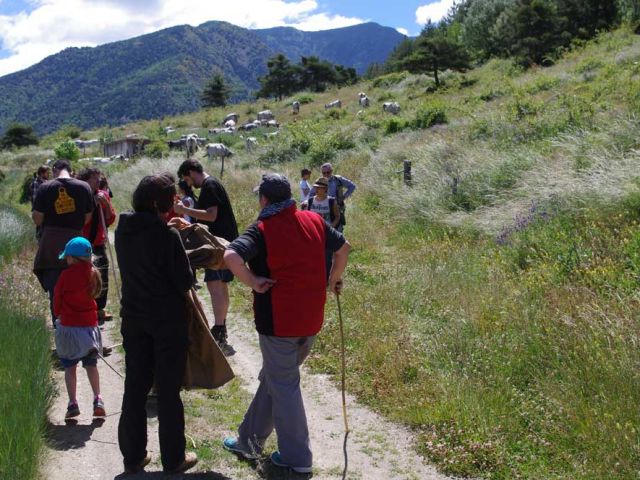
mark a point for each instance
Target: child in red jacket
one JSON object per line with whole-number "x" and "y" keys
{"x": 77, "y": 333}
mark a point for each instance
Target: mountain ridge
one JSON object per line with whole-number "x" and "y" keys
{"x": 163, "y": 72}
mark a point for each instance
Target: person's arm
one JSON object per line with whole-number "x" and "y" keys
{"x": 345, "y": 182}
{"x": 340, "y": 258}
{"x": 208, "y": 215}
{"x": 37, "y": 217}
{"x": 103, "y": 201}
{"x": 236, "y": 264}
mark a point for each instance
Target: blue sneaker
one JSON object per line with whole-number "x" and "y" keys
{"x": 277, "y": 461}
{"x": 233, "y": 445}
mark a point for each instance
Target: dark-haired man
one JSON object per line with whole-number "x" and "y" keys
{"x": 41, "y": 176}
{"x": 62, "y": 207}
{"x": 96, "y": 232}
{"x": 285, "y": 251}
{"x": 213, "y": 208}
{"x": 154, "y": 327}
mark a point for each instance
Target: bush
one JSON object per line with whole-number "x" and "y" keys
{"x": 335, "y": 113}
{"x": 277, "y": 154}
{"x": 70, "y": 131}
{"x": 388, "y": 80}
{"x": 321, "y": 152}
{"x": 342, "y": 141}
{"x": 157, "y": 149}
{"x": 18, "y": 135}
{"x": 304, "y": 99}
{"x": 429, "y": 114}
{"x": 67, "y": 150}
{"x": 394, "y": 125}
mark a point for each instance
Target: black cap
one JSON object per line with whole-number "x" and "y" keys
{"x": 275, "y": 187}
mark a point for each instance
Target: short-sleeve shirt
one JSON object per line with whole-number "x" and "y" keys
{"x": 213, "y": 194}
{"x": 64, "y": 202}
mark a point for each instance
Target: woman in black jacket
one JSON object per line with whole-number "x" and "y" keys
{"x": 156, "y": 276}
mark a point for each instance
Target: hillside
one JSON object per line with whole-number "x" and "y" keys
{"x": 492, "y": 305}
{"x": 163, "y": 73}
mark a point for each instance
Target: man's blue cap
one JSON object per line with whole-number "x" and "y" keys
{"x": 76, "y": 247}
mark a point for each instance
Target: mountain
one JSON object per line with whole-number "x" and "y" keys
{"x": 163, "y": 73}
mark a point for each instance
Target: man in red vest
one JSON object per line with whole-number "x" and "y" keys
{"x": 285, "y": 252}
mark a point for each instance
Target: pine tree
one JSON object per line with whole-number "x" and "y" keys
{"x": 436, "y": 50}
{"x": 215, "y": 93}
{"x": 281, "y": 79}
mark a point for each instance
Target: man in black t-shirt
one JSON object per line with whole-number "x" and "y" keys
{"x": 213, "y": 209}
{"x": 61, "y": 208}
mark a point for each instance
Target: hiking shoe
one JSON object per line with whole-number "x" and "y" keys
{"x": 277, "y": 461}
{"x": 106, "y": 351}
{"x": 98, "y": 408}
{"x": 219, "y": 333}
{"x": 139, "y": 467}
{"x": 190, "y": 459}
{"x": 72, "y": 410}
{"x": 233, "y": 444}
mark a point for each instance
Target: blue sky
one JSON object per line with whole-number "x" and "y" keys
{"x": 31, "y": 30}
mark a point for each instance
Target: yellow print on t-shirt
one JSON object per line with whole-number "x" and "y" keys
{"x": 64, "y": 203}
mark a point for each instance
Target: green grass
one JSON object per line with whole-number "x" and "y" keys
{"x": 25, "y": 391}
{"x": 25, "y": 384}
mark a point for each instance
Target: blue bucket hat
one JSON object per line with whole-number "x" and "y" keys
{"x": 76, "y": 247}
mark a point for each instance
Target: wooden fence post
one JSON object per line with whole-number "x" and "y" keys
{"x": 407, "y": 172}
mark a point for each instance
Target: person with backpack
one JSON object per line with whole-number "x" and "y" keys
{"x": 336, "y": 189}
{"x": 323, "y": 204}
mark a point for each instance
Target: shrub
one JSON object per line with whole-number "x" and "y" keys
{"x": 388, "y": 80}
{"x": 18, "y": 135}
{"x": 522, "y": 106}
{"x": 336, "y": 113}
{"x": 304, "y": 99}
{"x": 70, "y": 131}
{"x": 394, "y": 125}
{"x": 429, "y": 114}
{"x": 542, "y": 84}
{"x": 342, "y": 140}
{"x": 321, "y": 152}
{"x": 157, "y": 149}
{"x": 67, "y": 150}
{"x": 277, "y": 154}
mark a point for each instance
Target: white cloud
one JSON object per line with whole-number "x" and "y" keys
{"x": 434, "y": 11}
{"x": 403, "y": 31}
{"x": 56, "y": 24}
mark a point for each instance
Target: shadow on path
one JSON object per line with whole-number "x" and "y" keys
{"x": 186, "y": 476}
{"x": 71, "y": 435}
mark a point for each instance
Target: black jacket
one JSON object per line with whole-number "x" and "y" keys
{"x": 154, "y": 268}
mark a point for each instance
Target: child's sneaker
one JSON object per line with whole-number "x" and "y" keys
{"x": 72, "y": 410}
{"x": 98, "y": 408}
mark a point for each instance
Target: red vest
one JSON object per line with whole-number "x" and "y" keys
{"x": 295, "y": 245}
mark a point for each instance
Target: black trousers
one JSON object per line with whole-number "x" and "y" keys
{"x": 101, "y": 262}
{"x": 161, "y": 347}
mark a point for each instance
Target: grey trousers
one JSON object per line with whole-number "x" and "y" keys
{"x": 278, "y": 401}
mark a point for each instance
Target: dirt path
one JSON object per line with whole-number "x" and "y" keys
{"x": 378, "y": 449}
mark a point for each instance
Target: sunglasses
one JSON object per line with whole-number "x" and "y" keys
{"x": 326, "y": 172}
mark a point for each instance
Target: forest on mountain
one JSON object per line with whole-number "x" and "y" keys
{"x": 164, "y": 73}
